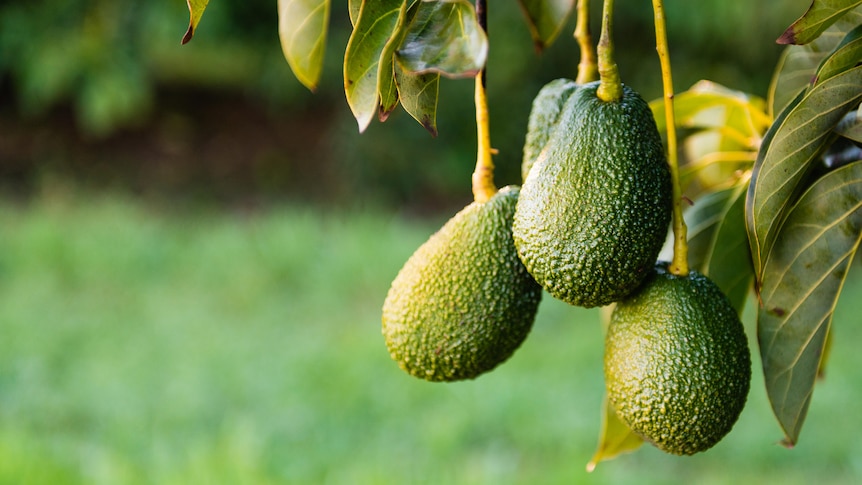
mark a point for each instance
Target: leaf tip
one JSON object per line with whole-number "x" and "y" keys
{"x": 592, "y": 465}
{"x": 539, "y": 46}
{"x": 188, "y": 35}
{"x": 429, "y": 125}
{"x": 788, "y": 37}
{"x": 383, "y": 112}
{"x": 787, "y": 443}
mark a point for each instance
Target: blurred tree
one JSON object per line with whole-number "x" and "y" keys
{"x": 119, "y": 67}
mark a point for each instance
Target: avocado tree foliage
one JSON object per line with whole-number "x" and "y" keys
{"x": 775, "y": 184}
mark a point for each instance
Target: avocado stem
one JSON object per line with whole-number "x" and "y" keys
{"x": 588, "y": 70}
{"x": 679, "y": 265}
{"x": 611, "y": 88}
{"x": 483, "y": 176}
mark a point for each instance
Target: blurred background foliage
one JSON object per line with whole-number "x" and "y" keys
{"x": 147, "y": 335}
{"x": 101, "y": 93}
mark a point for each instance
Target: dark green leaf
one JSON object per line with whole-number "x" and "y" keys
{"x": 846, "y": 55}
{"x": 615, "y": 438}
{"x": 196, "y": 10}
{"x": 702, "y": 220}
{"x": 798, "y": 64}
{"x": 445, "y": 37}
{"x": 802, "y": 280}
{"x": 419, "y": 93}
{"x": 546, "y": 18}
{"x": 375, "y": 26}
{"x": 820, "y": 15}
{"x": 302, "y": 26}
{"x": 794, "y": 143}
{"x": 824, "y": 357}
{"x": 718, "y": 244}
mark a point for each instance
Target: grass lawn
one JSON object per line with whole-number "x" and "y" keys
{"x": 142, "y": 346}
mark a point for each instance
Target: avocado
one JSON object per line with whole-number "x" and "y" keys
{"x": 544, "y": 114}
{"x": 596, "y": 205}
{"x": 463, "y": 302}
{"x": 677, "y": 365}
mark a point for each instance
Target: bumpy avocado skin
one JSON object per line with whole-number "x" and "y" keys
{"x": 544, "y": 114}
{"x": 595, "y": 208}
{"x": 677, "y": 364}
{"x": 463, "y": 302}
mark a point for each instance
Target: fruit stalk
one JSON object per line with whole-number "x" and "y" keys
{"x": 587, "y": 68}
{"x": 679, "y": 265}
{"x": 483, "y": 175}
{"x": 611, "y": 88}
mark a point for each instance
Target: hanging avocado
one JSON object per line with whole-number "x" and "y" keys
{"x": 544, "y": 115}
{"x": 595, "y": 208}
{"x": 463, "y": 302}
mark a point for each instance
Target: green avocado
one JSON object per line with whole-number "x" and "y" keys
{"x": 544, "y": 114}
{"x": 595, "y": 207}
{"x": 463, "y": 302}
{"x": 677, "y": 365}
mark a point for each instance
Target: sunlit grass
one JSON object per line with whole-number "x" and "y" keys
{"x": 143, "y": 346}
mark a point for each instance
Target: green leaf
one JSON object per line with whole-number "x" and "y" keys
{"x": 353, "y": 7}
{"x": 302, "y": 26}
{"x": 820, "y": 15}
{"x": 710, "y": 105}
{"x": 702, "y": 220}
{"x": 374, "y": 27}
{"x": 851, "y": 126}
{"x": 545, "y": 19}
{"x": 729, "y": 126}
{"x": 795, "y": 142}
{"x": 802, "y": 281}
{"x": 196, "y": 11}
{"x": 445, "y": 37}
{"x": 846, "y": 55}
{"x": 419, "y": 94}
{"x": 387, "y": 88}
{"x": 798, "y": 64}
{"x": 718, "y": 243}
{"x": 615, "y": 437}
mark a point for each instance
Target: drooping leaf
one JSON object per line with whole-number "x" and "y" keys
{"x": 196, "y": 10}
{"x": 718, "y": 243}
{"x": 302, "y": 27}
{"x": 820, "y": 15}
{"x": 545, "y": 19}
{"x": 615, "y": 437}
{"x": 374, "y": 27}
{"x": 795, "y": 142}
{"x": 728, "y": 128}
{"x": 419, "y": 94}
{"x": 710, "y": 105}
{"x": 802, "y": 281}
{"x": 444, "y": 37}
{"x": 387, "y": 88}
{"x": 797, "y": 66}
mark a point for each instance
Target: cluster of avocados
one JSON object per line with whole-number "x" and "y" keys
{"x": 587, "y": 227}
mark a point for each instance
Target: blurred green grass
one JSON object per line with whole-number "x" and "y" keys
{"x": 143, "y": 344}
